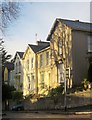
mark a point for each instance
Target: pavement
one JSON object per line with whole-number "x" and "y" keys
{"x": 45, "y": 115}
{"x": 87, "y": 110}
{"x": 51, "y": 112}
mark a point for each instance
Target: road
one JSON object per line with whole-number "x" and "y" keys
{"x": 44, "y": 116}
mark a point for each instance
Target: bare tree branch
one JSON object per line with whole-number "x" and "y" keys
{"x": 8, "y": 12}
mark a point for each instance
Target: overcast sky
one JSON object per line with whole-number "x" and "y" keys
{"x": 38, "y": 18}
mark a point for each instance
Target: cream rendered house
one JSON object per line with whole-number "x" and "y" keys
{"x": 44, "y": 71}
{"x": 30, "y": 78}
{"x": 9, "y": 73}
{"x": 70, "y": 41}
{"x": 18, "y": 71}
{"x": 64, "y": 58}
{"x": 29, "y": 71}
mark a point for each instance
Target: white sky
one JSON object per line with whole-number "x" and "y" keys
{"x": 38, "y": 17}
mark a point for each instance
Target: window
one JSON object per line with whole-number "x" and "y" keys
{"x": 28, "y": 64}
{"x": 47, "y": 58}
{"x": 32, "y": 82}
{"x": 89, "y": 43}
{"x": 42, "y": 80}
{"x": 32, "y": 63}
{"x": 28, "y": 83}
{"x": 16, "y": 68}
{"x": 49, "y": 79}
{"x": 60, "y": 47}
{"x": 52, "y": 53}
{"x": 19, "y": 67}
{"x": 41, "y": 64}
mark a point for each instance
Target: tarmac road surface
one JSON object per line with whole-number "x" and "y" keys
{"x": 45, "y": 116}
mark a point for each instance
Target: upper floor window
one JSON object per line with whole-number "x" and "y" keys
{"x": 42, "y": 80}
{"x": 41, "y": 60}
{"x": 32, "y": 62}
{"x": 60, "y": 47}
{"x": 89, "y": 43}
{"x": 19, "y": 67}
{"x": 47, "y": 58}
{"x": 29, "y": 83}
{"x": 16, "y": 67}
{"x": 28, "y": 64}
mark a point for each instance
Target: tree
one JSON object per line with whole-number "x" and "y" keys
{"x": 17, "y": 96}
{"x": 3, "y": 52}
{"x": 8, "y": 12}
{"x": 7, "y": 94}
{"x": 56, "y": 91}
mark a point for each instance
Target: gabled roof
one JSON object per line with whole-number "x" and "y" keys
{"x": 9, "y": 65}
{"x": 74, "y": 25}
{"x": 20, "y": 54}
{"x": 37, "y": 48}
{"x": 77, "y": 25}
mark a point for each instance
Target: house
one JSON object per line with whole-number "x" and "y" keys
{"x": 18, "y": 71}
{"x": 30, "y": 75}
{"x": 9, "y": 73}
{"x": 65, "y": 56}
{"x": 70, "y": 41}
{"x": 44, "y": 70}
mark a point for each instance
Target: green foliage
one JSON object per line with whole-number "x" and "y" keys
{"x": 83, "y": 86}
{"x": 74, "y": 89}
{"x": 17, "y": 96}
{"x": 85, "y": 83}
{"x": 7, "y": 91}
{"x": 5, "y": 56}
{"x": 56, "y": 91}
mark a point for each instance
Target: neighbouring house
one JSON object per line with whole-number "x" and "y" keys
{"x": 70, "y": 41}
{"x": 65, "y": 56}
{"x": 18, "y": 71}
{"x": 30, "y": 75}
{"x": 44, "y": 71}
{"x": 9, "y": 73}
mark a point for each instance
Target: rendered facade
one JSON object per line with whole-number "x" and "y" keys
{"x": 63, "y": 57}
{"x": 18, "y": 71}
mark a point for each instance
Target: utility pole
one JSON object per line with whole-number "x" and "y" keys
{"x": 65, "y": 102}
{"x": 67, "y": 76}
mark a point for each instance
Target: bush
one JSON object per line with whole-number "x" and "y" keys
{"x": 85, "y": 83}
{"x": 17, "y": 96}
{"x": 7, "y": 91}
{"x": 56, "y": 91}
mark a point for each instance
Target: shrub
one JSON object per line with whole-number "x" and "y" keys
{"x": 17, "y": 96}
{"x": 56, "y": 91}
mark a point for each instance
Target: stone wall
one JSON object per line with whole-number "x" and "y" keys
{"x": 73, "y": 100}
